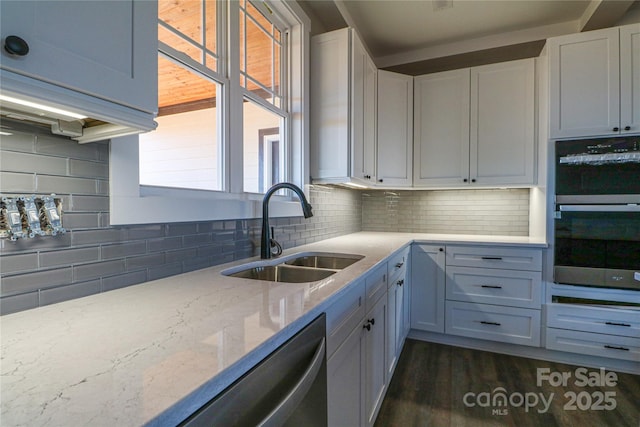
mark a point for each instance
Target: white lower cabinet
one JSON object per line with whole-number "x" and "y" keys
{"x": 493, "y": 322}
{"x": 598, "y": 331}
{"x": 375, "y": 374}
{"x": 612, "y": 346}
{"x": 397, "y": 308}
{"x": 494, "y": 293}
{"x": 484, "y": 292}
{"x": 427, "y": 287}
{"x": 356, "y": 351}
{"x": 345, "y": 380}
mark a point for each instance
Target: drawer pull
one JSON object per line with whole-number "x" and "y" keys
{"x": 492, "y": 258}
{"x": 490, "y": 323}
{"x": 491, "y": 286}
{"x": 400, "y": 282}
{"x": 617, "y": 324}
{"x": 400, "y": 264}
{"x": 369, "y": 323}
{"x": 613, "y": 347}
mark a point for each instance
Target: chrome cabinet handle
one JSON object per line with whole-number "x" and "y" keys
{"x": 292, "y": 400}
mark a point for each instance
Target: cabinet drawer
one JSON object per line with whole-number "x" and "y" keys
{"x": 600, "y": 320}
{"x": 612, "y": 346}
{"x": 490, "y": 286}
{"x": 495, "y": 257}
{"x": 398, "y": 263}
{"x": 492, "y": 322}
{"x": 376, "y": 286}
{"x": 347, "y": 313}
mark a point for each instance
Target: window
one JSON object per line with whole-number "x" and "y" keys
{"x": 232, "y": 116}
{"x": 185, "y": 151}
{"x": 261, "y": 75}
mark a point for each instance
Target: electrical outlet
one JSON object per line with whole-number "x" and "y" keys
{"x": 12, "y": 219}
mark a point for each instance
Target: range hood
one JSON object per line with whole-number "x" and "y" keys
{"x": 76, "y": 115}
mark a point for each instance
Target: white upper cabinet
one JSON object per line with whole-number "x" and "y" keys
{"x": 364, "y": 103}
{"x": 502, "y": 136}
{"x": 395, "y": 129}
{"x": 630, "y": 79}
{"x": 106, "y": 49}
{"x": 343, "y": 108}
{"x": 441, "y": 128}
{"x": 476, "y": 126}
{"x": 594, "y": 89}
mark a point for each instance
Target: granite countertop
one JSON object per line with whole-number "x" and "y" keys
{"x": 154, "y": 353}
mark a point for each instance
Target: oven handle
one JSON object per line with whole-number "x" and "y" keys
{"x": 600, "y": 208}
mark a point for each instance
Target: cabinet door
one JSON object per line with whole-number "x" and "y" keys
{"x": 406, "y": 307}
{"x": 584, "y": 84}
{"x": 363, "y": 107}
{"x": 375, "y": 368}
{"x": 441, "y": 129}
{"x": 345, "y": 381}
{"x": 395, "y": 129}
{"x": 395, "y": 325}
{"x": 107, "y": 49}
{"x": 502, "y": 137}
{"x": 330, "y": 131}
{"x": 630, "y": 79}
{"x": 427, "y": 287}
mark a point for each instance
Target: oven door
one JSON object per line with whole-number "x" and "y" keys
{"x": 601, "y": 167}
{"x": 598, "y": 245}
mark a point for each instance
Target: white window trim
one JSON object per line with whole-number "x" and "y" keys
{"x": 132, "y": 204}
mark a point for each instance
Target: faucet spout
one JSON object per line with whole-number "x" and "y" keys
{"x": 265, "y": 242}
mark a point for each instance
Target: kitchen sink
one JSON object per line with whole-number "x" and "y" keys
{"x": 297, "y": 268}
{"x": 284, "y": 273}
{"x": 334, "y": 262}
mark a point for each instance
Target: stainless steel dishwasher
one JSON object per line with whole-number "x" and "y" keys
{"x": 288, "y": 388}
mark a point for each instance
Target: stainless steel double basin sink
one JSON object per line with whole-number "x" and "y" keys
{"x": 297, "y": 268}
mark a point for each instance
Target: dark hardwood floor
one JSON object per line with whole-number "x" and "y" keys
{"x": 437, "y": 385}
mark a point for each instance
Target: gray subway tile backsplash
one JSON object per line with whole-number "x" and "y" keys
{"x": 10, "y": 181}
{"x": 35, "y": 280}
{"x": 95, "y": 257}
{"x": 64, "y": 293}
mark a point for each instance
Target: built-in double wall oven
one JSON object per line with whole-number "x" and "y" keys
{"x": 597, "y": 213}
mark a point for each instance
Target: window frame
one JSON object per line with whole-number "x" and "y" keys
{"x": 131, "y": 203}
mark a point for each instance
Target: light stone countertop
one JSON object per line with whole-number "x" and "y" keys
{"x": 154, "y": 353}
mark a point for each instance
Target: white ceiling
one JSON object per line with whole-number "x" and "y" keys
{"x": 402, "y": 31}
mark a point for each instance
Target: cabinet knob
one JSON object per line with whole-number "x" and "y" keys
{"x": 627, "y": 128}
{"x": 16, "y": 46}
{"x": 473, "y": 180}
{"x": 616, "y": 129}
{"x": 465, "y": 180}
{"x": 441, "y": 249}
{"x": 380, "y": 180}
{"x": 367, "y": 326}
